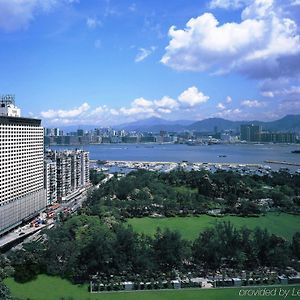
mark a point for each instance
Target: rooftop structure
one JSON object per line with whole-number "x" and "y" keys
{"x": 7, "y": 106}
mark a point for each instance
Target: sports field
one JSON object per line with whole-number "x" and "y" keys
{"x": 281, "y": 224}
{"x": 53, "y": 288}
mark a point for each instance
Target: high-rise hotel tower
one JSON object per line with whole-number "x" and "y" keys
{"x": 22, "y": 193}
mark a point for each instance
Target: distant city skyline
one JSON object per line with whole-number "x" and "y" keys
{"x": 107, "y": 62}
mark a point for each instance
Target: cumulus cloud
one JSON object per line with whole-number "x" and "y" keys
{"x": 144, "y": 53}
{"x": 17, "y": 14}
{"x": 166, "y": 102}
{"x": 228, "y": 99}
{"x": 264, "y": 44}
{"x": 252, "y": 103}
{"x": 99, "y": 110}
{"x": 258, "y": 9}
{"x": 75, "y": 112}
{"x": 224, "y": 105}
{"x": 139, "y": 108}
{"x": 192, "y": 97}
{"x": 141, "y": 102}
{"x": 164, "y": 110}
{"x": 221, "y": 106}
{"x": 114, "y": 112}
{"x": 143, "y": 107}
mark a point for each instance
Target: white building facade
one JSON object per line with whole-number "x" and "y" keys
{"x": 72, "y": 172}
{"x": 50, "y": 180}
{"x": 22, "y": 193}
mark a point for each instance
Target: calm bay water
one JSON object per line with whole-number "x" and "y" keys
{"x": 235, "y": 153}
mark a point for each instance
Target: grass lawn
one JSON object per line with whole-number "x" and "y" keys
{"x": 184, "y": 189}
{"x": 282, "y": 224}
{"x": 53, "y": 288}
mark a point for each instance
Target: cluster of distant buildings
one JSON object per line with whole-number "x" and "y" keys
{"x": 248, "y": 133}
{"x": 55, "y": 136}
{"x": 254, "y": 133}
{"x": 30, "y": 179}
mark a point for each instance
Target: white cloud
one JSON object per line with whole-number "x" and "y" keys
{"x": 114, "y": 112}
{"x": 75, "y": 112}
{"x": 99, "y": 110}
{"x": 144, "y": 53}
{"x": 286, "y": 91}
{"x": 192, "y": 97}
{"x": 93, "y": 23}
{"x": 231, "y": 114}
{"x": 295, "y": 2}
{"x": 228, "y": 99}
{"x": 221, "y": 106}
{"x": 17, "y": 14}
{"x": 148, "y": 108}
{"x": 143, "y": 103}
{"x": 166, "y": 102}
{"x": 139, "y": 108}
{"x": 164, "y": 110}
{"x": 264, "y": 44}
{"x": 268, "y": 94}
{"x": 289, "y": 88}
{"x": 252, "y": 103}
{"x": 258, "y": 9}
{"x": 228, "y": 4}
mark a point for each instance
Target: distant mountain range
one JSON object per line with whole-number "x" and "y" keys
{"x": 287, "y": 123}
{"x": 155, "y": 125}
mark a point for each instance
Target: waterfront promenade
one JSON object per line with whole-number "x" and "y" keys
{"x": 130, "y": 162}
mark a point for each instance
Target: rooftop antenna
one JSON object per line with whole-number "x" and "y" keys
{"x": 7, "y": 99}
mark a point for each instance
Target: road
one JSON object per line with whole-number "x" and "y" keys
{"x": 26, "y": 231}
{"x": 21, "y": 233}
{"x": 109, "y": 177}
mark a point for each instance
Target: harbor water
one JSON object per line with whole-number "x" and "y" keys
{"x": 220, "y": 153}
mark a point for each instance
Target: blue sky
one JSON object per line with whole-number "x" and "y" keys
{"x": 105, "y": 62}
